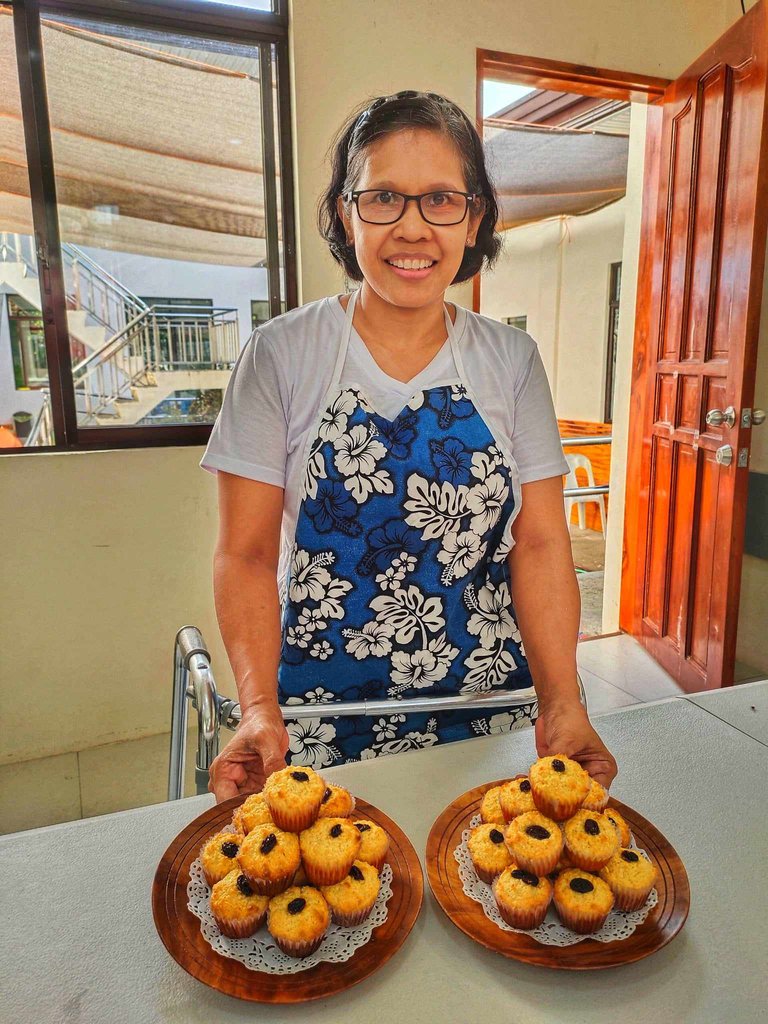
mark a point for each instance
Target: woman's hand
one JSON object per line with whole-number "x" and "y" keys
{"x": 256, "y": 750}
{"x": 566, "y": 729}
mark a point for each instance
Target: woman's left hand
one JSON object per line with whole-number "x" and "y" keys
{"x": 566, "y": 729}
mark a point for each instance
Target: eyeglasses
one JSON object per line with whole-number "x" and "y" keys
{"x": 381, "y": 206}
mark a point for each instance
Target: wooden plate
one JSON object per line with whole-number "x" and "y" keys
{"x": 660, "y": 927}
{"x": 180, "y": 929}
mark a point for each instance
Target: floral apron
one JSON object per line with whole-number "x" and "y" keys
{"x": 398, "y": 583}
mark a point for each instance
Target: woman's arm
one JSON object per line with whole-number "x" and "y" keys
{"x": 248, "y": 611}
{"x": 548, "y": 606}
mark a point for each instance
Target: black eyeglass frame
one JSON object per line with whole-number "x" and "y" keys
{"x": 353, "y": 197}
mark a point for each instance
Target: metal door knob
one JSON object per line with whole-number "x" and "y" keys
{"x": 724, "y": 455}
{"x": 716, "y": 417}
{"x": 758, "y": 417}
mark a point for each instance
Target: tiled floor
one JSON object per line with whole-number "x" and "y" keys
{"x": 617, "y": 671}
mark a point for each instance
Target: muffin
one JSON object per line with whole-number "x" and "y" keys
{"x": 590, "y": 839}
{"x": 630, "y": 877}
{"x": 337, "y": 802}
{"x": 625, "y": 837}
{"x": 218, "y": 855}
{"x": 522, "y": 898}
{"x": 237, "y": 909}
{"x": 559, "y": 786}
{"x": 596, "y": 798}
{"x": 488, "y": 852}
{"x": 351, "y": 900}
{"x": 583, "y": 901}
{"x": 252, "y": 812}
{"x": 298, "y": 919}
{"x": 535, "y": 842}
{"x": 329, "y": 849}
{"x": 490, "y": 811}
{"x": 269, "y": 859}
{"x": 294, "y": 796}
{"x": 515, "y": 798}
{"x": 374, "y": 843}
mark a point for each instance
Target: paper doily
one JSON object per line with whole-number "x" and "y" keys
{"x": 551, "y": 932}
{"x": 259, "y": 952}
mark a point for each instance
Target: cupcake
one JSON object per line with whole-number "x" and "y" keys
{"x": 337, "y": 802}
{"x": 374, "y": 843}
{"x": 269, "y": 859}
{"x": 351, "y": 900}
{"x": 490, "y": 811}
{"x": 328, "y": 850}
{"x": 488, "y": 852}
{"x": 583, "y": 901}
{"x": 535, "y": 842}
{"x": 522, "y": 898}
{"x": 590, "y": 839}
{"x": 294, "y": 796}
{"x": 218, "y": 855}
{"x": 252, "y": 812}
{"x": 237, "y": 909}
{"x": 625, "y": 837}
{"x": 596, "y": 798}
{"x": 298, "y": 919}
{"x": 559, "y": 786}
{"x": 630, "y": 877}
{"x": 515, "y": 798}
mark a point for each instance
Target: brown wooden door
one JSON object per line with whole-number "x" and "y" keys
{"x": 701, "y": 269}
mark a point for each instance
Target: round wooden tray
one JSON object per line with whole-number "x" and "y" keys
{"x": 180, "y": 929}
{"x": 660, "y": 927}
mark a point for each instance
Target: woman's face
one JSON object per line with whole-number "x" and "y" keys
{"x": 413, "y": 161}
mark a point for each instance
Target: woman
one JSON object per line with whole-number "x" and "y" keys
{"x": 384, "y": 489}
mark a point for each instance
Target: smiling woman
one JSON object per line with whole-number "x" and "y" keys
{"x": 390, "y": 475}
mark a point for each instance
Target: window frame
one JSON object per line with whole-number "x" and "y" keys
{"x": 261, "y": 29}
{"x": 614, "y": 302}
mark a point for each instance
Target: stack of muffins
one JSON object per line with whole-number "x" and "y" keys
{"x": 298, "y": 858}
{"x": 549, "y": 836}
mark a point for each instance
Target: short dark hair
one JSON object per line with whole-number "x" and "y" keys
{"x": 387, "y": 114}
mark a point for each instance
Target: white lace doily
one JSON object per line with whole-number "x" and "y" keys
{"x": 551, "y": 932}
{"x": 259, "y": 952}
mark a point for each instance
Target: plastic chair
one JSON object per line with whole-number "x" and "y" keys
{"x": 582, "y": 462}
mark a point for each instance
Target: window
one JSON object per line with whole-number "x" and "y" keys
{"x": 521, "y": 322}
{"x": 182, "y": 191}
{"x": 614, "y": 294}
{"x": 260, "y": 312}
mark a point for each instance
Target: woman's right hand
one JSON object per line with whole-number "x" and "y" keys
{"x": 257, "y": 749}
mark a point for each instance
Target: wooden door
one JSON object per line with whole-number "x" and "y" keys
{"x": 701, "y": 269}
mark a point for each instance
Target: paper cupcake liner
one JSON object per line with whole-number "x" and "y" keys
{"x": 213, "y": 879}
{"x": 242, "y": 928}
{"x": 536, "y": 865}
{"x": 631, "y": 899}
{"x": 580, "y": 922}
{"x": 375, "y": 862}
{"x": 351, "y": 920}
{"x": 326, "y": 874}
{"x": 557, "y": 810}
{"x": 486, "y": 876}
{"x": 289, "y": 819}
{"x": 268, "y": 886}
{"x": 525, "y": 918}
{"x": 594, "y": 864}
{"x": 298, "y": 949}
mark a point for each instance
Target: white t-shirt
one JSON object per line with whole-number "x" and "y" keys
{"x": 283, "y": 373}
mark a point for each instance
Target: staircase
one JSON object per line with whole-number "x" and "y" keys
{"x": 129, "y": 345}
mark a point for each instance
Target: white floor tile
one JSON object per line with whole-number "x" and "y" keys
{"x": 603, "y": 696}
{"x": 623, "y": 662}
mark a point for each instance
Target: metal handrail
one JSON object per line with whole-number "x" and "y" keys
{"x": 42, "y": 430}
{"x": 193, "y": 679}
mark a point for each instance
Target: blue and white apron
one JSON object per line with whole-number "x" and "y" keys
{"x": 398, "y": 584}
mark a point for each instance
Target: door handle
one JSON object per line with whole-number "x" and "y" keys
{"x": 716, "y": 417}
{"x": 724, "y": 455}
{"x": 758, "y": 417}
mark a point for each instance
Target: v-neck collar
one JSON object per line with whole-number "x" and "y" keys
{"x": 411, "y": 386}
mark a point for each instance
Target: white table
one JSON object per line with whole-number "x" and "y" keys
{"x": 745, "y": 707}
{"x": 79, "y": 944}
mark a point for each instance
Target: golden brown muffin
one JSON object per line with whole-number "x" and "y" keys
{"x": 252, "y": 812}
{"x": 559, "y": 786}
{"x": 269, "y": 859}
{"x": 631, "y": 878}
{"x": 590, "y": 839}
{"x": 298, "y": 919}
{"x": 582, "y": 900}
{"x": 488, "y": 852}
{"x": 374, "y": 843}
{"x": 218, "y": 854}
{"x": 329, "y": 849}
{"x": 294, "y": 796}
{"x": 490, "y": 810}
{"x": 625, "y": 837}
{"x": 337, "y": 802}
{"x": 596, "y": 798}
{"x": 522, "y": 897}
{"x": 515, "y": 798}
{"x": 237, "y": 909}
{"x": 535, "y": 842}
{"x": 352, "y": 899}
